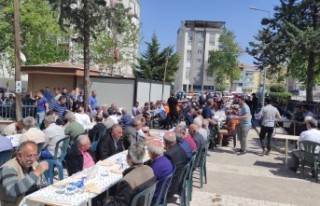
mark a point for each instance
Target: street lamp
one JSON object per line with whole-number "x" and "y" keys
{"x": 264, "y": 69}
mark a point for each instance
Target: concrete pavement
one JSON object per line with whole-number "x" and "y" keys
{"x": 252, "y": 180}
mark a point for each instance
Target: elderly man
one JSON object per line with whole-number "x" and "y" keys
{"x": 98, "y": 127}
{"x": 125, "y": 119}
{"x": 53, "y": 133}
{"x": 160, "y": 164}
{"x": 32, "y": 133}
{"x": 19, "y": 175}
{"x": 178, "y": 158}
{"x": 201, "y": 130}
{"x": 196, "y": 136}
{"x": 312, "y": 134}
{"x": 110, "y": 118}
{"x": 131, "y": 133}
{"x": 181, "y": 132}
{"x": 110, "y": 144}
{"x": 136, "y": 178}
{"x": 82, "y": 117}
{"x": 73, "y": 128}
{"x": 190, "y": 116}
{"x": 79, "y": 156}
{"x": 13, "y": 128}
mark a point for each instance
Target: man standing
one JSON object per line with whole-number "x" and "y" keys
{"x": 245, "y": 124}
{"x": 19, "y": 175}
{"x": 173, "y": 114}
{"x": 92, "y": 100}
{"x": 269, "y": 114}
{"x": 59, "y": 106}
{"x": 42, "y": 106}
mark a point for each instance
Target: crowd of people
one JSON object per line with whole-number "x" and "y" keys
{"x": 103, "y": 131}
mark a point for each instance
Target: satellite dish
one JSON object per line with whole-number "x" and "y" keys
{"x": 23, "y": 57}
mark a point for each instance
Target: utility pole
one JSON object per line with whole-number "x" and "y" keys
{"x": 17, "y": 60}
{"x": 164, "y": 75}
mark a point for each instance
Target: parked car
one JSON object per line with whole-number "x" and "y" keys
{"x": 295, "y": 92}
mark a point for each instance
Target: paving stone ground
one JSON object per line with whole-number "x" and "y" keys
{"x": 252, "y": 180}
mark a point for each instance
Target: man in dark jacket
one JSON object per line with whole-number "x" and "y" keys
{"x": 178, "y": 158}
{"x": 79, "y": 156}
{"x": 111, "y": 143}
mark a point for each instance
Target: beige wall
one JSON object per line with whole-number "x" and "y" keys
{"x": 40, "y": 81}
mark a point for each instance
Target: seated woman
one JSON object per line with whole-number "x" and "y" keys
{"x": 229, "y": 128}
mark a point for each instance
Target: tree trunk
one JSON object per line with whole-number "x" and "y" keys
{"x": 86, "y": 53}
{"x": 310, "y": 77}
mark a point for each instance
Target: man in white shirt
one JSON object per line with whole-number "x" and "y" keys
{"x": 312, "y": 134}
{"x": 53, "y": 133}
{"x": 269, "y": 114}
{"x": 82, "y": 117}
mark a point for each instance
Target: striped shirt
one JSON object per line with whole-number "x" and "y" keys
{"x": 58, "y": 108}
{"x": 12, "y": 185}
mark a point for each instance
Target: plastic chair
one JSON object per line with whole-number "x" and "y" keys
{"x": 96, "y": 137}
{"x": 189, "y": 180}
{"x": 40, "y": 146}
{"x": 56, "y": 161}
{"x": 146, "y": 195}
{"x": 165, "y": 184}
{"x": 5, "y": 156}
{"x": 233, "y": 136}
{"x": 201, "y": 164}
{"x": 182, "y": 179}
{"x": 309, "y": 155}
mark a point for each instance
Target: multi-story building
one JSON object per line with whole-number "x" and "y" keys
{"x": 194, "y": 42}
{"x": 250, "y": 80}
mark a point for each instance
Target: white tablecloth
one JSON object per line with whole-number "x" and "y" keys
{"x": 50, "y": 196}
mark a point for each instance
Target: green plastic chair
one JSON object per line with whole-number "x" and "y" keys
{"x": 183, "y": 181}
{"x": 146, "y": 195}
{"x": 96, "y": 137}
{"x": 201, "y": 164}
{"x": 56, "y": 161}
{"x": 309, "y": 156}
{"x": 189, "y": 180}
{"x": 165, "y": 184}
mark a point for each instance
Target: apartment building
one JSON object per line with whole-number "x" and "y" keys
{"x": 250, "y": 80}
{"x": 195, "y": 39}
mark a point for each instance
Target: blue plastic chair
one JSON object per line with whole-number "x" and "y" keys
{"x": 56, "y": 161}
{"x": 146, "y": 195}
{"x": 165, "y": 184}
{"x": 5, "y": 156}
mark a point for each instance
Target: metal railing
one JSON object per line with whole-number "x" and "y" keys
{"x": 8, "y": 111}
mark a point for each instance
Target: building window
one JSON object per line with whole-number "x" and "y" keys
{"x": 189, "y": 52}
{"x": 190, "y": 36}
{"x": 200, "y": 51}
{"x": 200, "y": 35}
{"x": 200, "y": 43}
{"x": 212, "y": 43}
{"x": 187, "y": 74}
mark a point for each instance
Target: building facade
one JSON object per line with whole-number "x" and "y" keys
{"x": 250, "y": 80}
{"x": 195, "y": 40}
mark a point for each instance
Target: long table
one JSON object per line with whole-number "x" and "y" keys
{"x": 286, "y": 138}
{"x": 49, "y": 195}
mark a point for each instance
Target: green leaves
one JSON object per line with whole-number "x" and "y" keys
{"x": 153, "y": 63}
{"x": 223, "y": 62}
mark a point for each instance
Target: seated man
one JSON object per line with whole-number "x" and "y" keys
{"x": 73, "y": 128}
{"x": 125, "y": 119}
{"x": 53, "y": 133}
{"x": 98, "y": 128}
{"x": 229, "y": 128}
{"x": 181, "y": 132}
{"x": 12, "y": 129}
{"x": 82, "y": 117}
{"x": 160, "y": 164}
{"x": 131, "y": 133}
{"x": 19, "y": 175}
{"x": 312, "y": 134}
{"x": 32, "y": 133}
{"x": 135, "y": 179}
{"x": 178, "y": 158}
{"x": 190, "y": 116}
{"x": 202, "y": 131}
{"x": 111, "y": 143}
{"x": 79, "y": 156}
{"x": 196, "y": 136}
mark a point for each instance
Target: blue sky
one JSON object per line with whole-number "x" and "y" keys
{"x": 164, "y": 17}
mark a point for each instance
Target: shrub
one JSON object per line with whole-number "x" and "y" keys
{"x": 280, "y": 97}
{"x": 277, "y": 88}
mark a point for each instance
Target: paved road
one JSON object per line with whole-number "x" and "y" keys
{"x": 253, "y": 180}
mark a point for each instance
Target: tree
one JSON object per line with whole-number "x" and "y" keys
{"x": 116, "y": 45}
{"x": 291, "y": 39}
{"x": 85, "y": 18}
{"x": 223, "y": 64}
{"x": 153, "y": 63}
{"x": 39, "y": 33}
